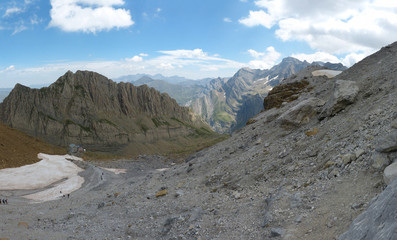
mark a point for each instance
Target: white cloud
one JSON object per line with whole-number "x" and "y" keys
{"x": 256, "y": 18}
{"x": 332, "y": 26}
{"x": 194, "y": 64}
{"x": 134, "y": 59}
{"x": 228, "y": 20}
{"x": 11, "y": 11}
{"x": 353, "y": 58}
{"x": 158, "y": 10}
{"x": 19, "y": 28}
{"x": 264, "y": 60}
{"x": 182, "y": 53}
{"x": 10, "y": 68}
{"x": 89, "y": 15}
{"x": 317, "y": 56}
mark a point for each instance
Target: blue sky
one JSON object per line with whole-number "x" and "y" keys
{"x": 42, "y": 39}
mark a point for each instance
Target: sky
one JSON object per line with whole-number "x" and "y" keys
{"x": 40, "y": 40}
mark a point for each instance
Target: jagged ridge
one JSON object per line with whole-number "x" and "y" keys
{"x": 88, "y": 108}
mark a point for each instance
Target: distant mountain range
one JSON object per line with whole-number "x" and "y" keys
{"x": 171, "y": 79}
{"x": 227, "y": 103}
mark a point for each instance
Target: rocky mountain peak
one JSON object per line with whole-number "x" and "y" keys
{"x": 88, "y": 108}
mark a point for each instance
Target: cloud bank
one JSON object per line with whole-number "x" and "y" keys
{"x": 193, "y": 64}
{"x": 89, "y": 16}
{"x": 338, "y": 27}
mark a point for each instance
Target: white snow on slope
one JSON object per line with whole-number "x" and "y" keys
{"x": 326, "y": 72}
{"x": 51, "y": 169}
{"x": 115, "y": 170}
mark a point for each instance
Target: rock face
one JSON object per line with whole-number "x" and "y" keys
{"x": 87, "y": 108}
{"x": 379, "y": 221}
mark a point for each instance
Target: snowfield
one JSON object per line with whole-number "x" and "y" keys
{"x": 52, "y": 169}
{"x": 325, "y": 72}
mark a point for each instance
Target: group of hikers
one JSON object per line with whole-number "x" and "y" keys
{"x": 4, "y": 201}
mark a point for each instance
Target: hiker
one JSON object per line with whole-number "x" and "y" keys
{"x": 6, "y": 201}
{"x": 68, "y": 195}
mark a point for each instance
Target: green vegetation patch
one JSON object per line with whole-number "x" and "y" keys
{"x": 47, "y": 116}
{"x": 158, "y": 122}
{"x": 220, "y": 113}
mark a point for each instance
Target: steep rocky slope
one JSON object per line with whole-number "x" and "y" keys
{"x": 87, "y": 108}
{"x": 18, "y": 149}
{"x": 303, "y": 169}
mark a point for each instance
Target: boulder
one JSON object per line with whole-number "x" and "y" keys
{"x": 379, "y": 221}
{"x": 390, "y": 173}
{"x": 302, "y": 113}
{"x": 345, "y": 93}
{"x": 387, "y": 143}
{"x": 379, "y": 161}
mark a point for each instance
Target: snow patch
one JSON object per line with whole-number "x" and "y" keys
{"x": 325, "y": 72}
{"x": 50, "y": 170}
{"x": 115, "y": 170}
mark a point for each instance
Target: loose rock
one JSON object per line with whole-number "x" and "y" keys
{"x": 390, "y": 173}
{"x": 388, "y": 143}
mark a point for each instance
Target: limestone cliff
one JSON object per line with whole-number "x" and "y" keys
{"x": 87, "y": 108}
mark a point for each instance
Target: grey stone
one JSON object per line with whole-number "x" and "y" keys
{"x": 101, "y": 205}
{"x": 379, "y": 221}
{"x": 333, "y": 173}
{"x": 390, "y": 173}
{"x": 359, "y": 152}
{"x": 345, "y": 93}
{"x": 168, "y": 225}
{"x": 267, "y": 219}
{"x": 299, "y": 219}
{"x": 379, "y": 161}
{"x": 394, "y": 125}
{"x": 387, "y": 143}
{"x": 276, "y": 232}
{"x": 302, "y": 113}
{"x": 348, "y": 158}
{"x": 296, "y": 200}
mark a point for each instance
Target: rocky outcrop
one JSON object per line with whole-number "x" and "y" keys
{"x": 87, "y": 108}
{"x": 284, "y": 93}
